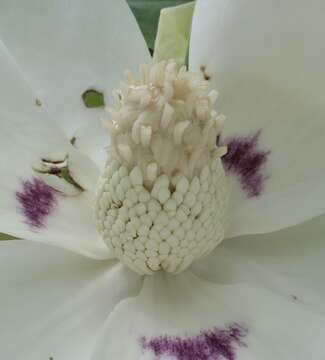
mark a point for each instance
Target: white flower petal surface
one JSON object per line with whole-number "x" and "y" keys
{"x": 67, "y": 47}
{"x": 266, "y": 60}
{"x": 182, "y": 317}
{"x": 29, "y": 207}
{"x": 54, "y": 303}
{"x": 289, "y": 262}
{"x": 92, "y": 141}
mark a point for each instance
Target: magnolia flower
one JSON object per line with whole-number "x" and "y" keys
{"x": 139, "y": 210}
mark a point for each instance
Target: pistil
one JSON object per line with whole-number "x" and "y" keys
{"x": 162, "y": 198}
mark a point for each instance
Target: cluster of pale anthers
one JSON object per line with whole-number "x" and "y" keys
{"x": 162, "y": 198}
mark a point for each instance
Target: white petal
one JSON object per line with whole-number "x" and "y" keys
{"x": 67, "y": 47}
{"x": 288, "y": 262}
{"x": 266, "y": 60}
{"x": 166, "y": 319}
{"x": 53, "y": 303}
{"x": 92, "y": 141}
{"x": 29, "y": 208}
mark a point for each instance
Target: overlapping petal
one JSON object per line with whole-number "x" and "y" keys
{"x": 182, "y": 317}
{"x": 289, "y": 262}
{"x": 263, "y": 297}
{"x": 67, "y": 47}
{"x": 54, "y": 303}
{"x": 266, "y": 60}
{"x": 30, "y": 208}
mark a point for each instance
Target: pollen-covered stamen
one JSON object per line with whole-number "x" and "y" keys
{"x": 57, "y": 175}
{"x": 162, "y": 198}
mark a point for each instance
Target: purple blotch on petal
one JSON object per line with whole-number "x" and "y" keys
{"x": 214, "y": 344}
{"x": 245, "y": 160}
{"x": 37, "y": 201}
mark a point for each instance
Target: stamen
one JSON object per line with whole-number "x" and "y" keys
{"x": 56, "y": 174}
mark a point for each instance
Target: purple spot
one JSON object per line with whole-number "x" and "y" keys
{"x": 246, "y": 161}
{"x": 37, "y": 201}
{"x": 215, "y": 344}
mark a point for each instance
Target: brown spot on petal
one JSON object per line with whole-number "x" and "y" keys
{"x": 73, "y": 140}
{"x": 38, "y": 102}
{"x": 206, "y": 76}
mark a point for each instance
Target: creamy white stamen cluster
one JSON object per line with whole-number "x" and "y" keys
{"x": 162, "y": 198}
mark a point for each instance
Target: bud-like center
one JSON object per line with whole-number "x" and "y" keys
{"x": 162, "y": 198}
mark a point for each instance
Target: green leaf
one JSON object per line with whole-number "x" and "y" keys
{"x": 93, "y": 98}
{"x": 147, "y": 14}
{"x": 174, "y": 33}
{"x": 7, "y": 237}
